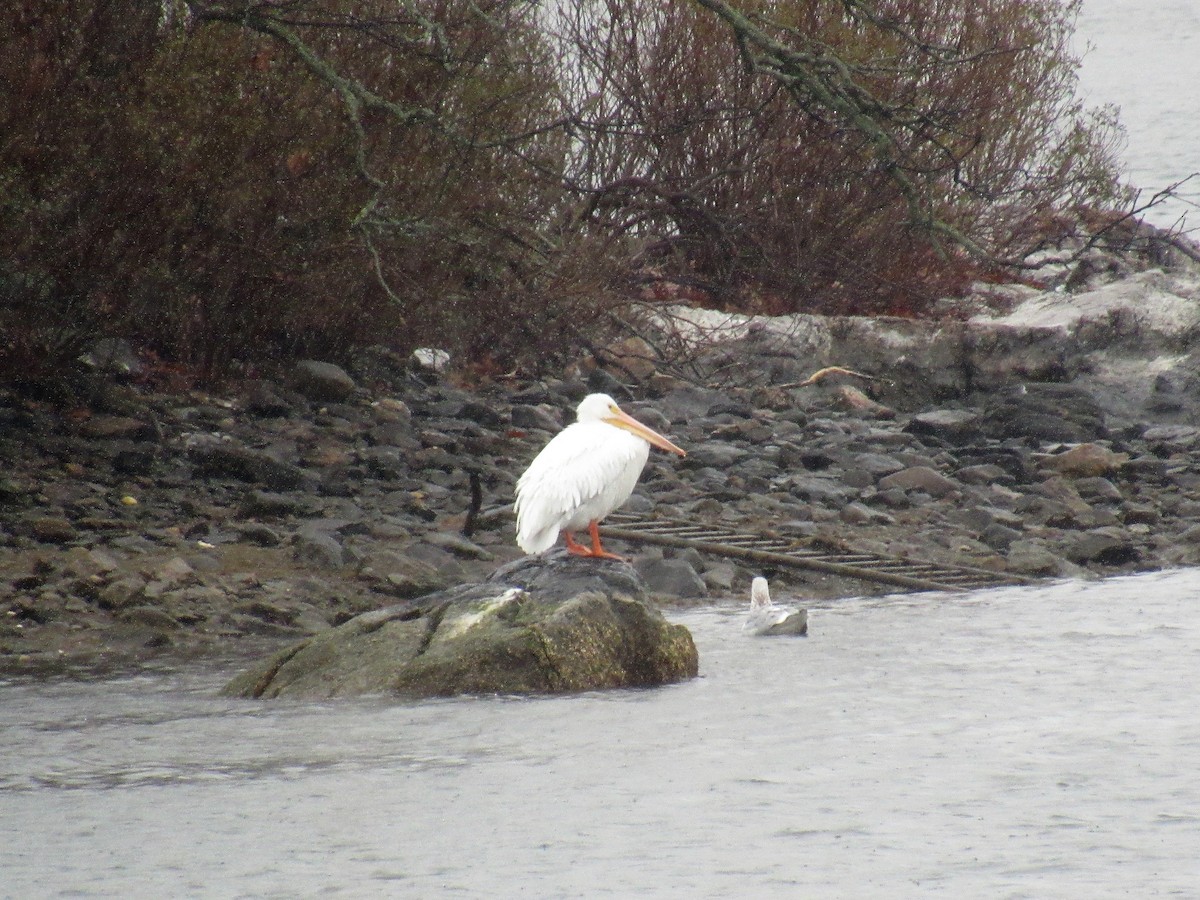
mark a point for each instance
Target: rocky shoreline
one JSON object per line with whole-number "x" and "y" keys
{"x": 1056, "y": 437}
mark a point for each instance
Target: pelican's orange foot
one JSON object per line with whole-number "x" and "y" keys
{"x": 595, "y": 551}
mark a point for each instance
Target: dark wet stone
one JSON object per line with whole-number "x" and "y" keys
{"x": 717, "y": 454}
{"x": 1048, "y": 412}
{"x": 222, "y": 460}
{"x": 267, "y": 504}
{"x": 318, "y": 548}
{"x": 1106, "y": 546}
{"x": 919, "y": 478}
{"x": 149, "y": 617}
{"x": 51, "y": 530}
{"x": 1098, "y": 490}
{"x": 999, "y": 537}
{"x": 117, "y": 427}
{"x": 265, "y": 398}
{"x": 322, "y": 381}
{"x": 134, "y": 459}
{"x": 955, "y": 426}
{"x": 122, "y": 593}
{"x": 673, "y": 577}
{"x": 260, "y": 534}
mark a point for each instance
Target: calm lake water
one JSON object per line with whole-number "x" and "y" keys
{"x": 1033, "y": 742}
{"x": 1145, "y": 58}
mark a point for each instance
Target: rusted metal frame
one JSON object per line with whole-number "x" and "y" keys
{"x": 794, "y": 561}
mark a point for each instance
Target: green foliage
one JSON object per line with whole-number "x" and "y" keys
{"x": 238, "y": 182}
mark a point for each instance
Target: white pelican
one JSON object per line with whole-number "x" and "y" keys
{"x": 767, "y": 618}
{"x": 586, "y": 471}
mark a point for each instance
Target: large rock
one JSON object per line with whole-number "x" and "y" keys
{"x": 539, "y": 625}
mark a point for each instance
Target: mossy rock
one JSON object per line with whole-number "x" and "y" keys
{"x": 542, "y": 625}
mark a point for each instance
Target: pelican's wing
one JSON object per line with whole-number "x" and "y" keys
{"x": 576, "y": 468}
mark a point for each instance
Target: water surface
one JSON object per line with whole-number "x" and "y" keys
{"x": 1145, "y": 58}
{"x": 1034, "y": 742}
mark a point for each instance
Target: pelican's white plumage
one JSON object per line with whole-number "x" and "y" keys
{"x": 586, "y": 471}
{"x": 767, "y": 618}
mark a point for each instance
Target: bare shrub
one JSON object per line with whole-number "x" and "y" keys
{"x": 187, "y": 180}
{"x": 734, "y": 169}
{"x": 246, "y": 180}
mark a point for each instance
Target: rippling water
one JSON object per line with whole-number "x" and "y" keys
{"x": 1145, "y": 58}
{"x": 1030, "y": 742}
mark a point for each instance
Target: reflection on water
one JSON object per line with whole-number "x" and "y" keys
{"x": 1017, "y": 742}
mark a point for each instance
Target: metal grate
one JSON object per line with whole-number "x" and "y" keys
{"x": 780, "y": 551}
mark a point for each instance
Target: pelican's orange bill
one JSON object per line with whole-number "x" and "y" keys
{"x": 622, "y": 419}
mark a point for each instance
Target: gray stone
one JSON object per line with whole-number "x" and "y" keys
{"x": 956, "y": 426}
{"x": 322, "y": 381}
{"x": 270, "y": 504}
{"x": 1106, "y": 546}
{"x": 223, "y": 459}
{"x": 401, "y": 576}
{"x": 718, "y": 454}
{"x": 999, "y": 537}
{"x": 122, "y": 593}
{"x": 919, "y": 478}
{"x": 878, "y": 464}
{"x": 260, "y": 534}
{"x": 1028, "y": 557}
{"x": 984, "y": 473}
{"x": 51, "y": 529}
{"x": 1098, "y": 489}
{"x": 673, "y": 577}
{"x": 319, "y": 548}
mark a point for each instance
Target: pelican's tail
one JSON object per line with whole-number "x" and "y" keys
{"x": 537, "y": 541}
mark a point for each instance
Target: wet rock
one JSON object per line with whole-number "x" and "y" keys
{"x": 116, "y": 427}
{"x": 401, "y": 576}
{"x": 1029, "y": 557}
{"x": 999, "y": 537}
{"x": 84, "y": 561}
{"x": 1086, "y": 460}
{"x": 265, "y": 398}
{"x": 260, "y": 534}
{"x": 458, "y": 545}
{"x": 221, "y": 459}
{"x": 543, "y": 625}
{"x": 672, "y": 577}
{"x": 149, "y": 617}
{"x": 1107, "y": 546}
{"x": 541, "y": 418}
{"x": 919, "y": 478}
{"x": 122, "y": 593}
{"x": 269, "y": 504}
{"x": 1047, "y": 412}
{"x": 956, "y": 426}
{"x": 1098, "y": 490}
{"x": 174, "y": 571}
{"x": 51, "y": 530}
{"x": 322, "y": 381}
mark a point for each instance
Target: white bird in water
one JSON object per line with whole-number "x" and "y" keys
{"x": 767, "y": 618}
{"x": 586, "y": 471}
